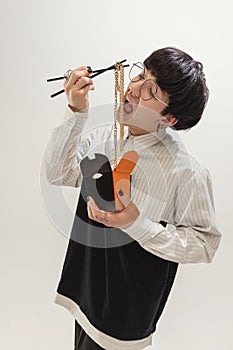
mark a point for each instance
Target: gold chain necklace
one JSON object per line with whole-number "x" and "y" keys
{"x": 119, "y": 92}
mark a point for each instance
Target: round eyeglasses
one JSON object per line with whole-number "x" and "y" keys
{"x": 149, "y": 88}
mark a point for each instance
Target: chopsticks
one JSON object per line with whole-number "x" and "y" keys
{"x": 95, "y": 74}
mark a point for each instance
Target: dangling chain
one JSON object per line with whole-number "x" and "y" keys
{"x": 119, "y": 89}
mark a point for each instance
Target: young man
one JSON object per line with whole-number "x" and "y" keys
{"x": 120, "y": 266}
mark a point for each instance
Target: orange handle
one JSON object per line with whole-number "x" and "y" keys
{"x": 121, "y": 175}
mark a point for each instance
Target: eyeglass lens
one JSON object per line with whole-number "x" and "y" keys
{"x": 136, "y": 72}
{"x": 149, "y": 87}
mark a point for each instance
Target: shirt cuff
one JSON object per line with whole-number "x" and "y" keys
{"x": 143, "y": 228}
{"x": 69, "y": 113}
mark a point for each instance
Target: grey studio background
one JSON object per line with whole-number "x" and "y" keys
{"x": 42, "y": 39}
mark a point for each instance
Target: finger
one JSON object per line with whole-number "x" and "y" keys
{"x": 93, "y": 212}
{"x": 81, "y": 87}
{"x": 75, "y": 76}
{"x": 94, "y": 208}
{"x": 82, "y": 82}
{"x": 83, "y": 91}
{"x": 89, "y": 212}
{"x": 91, "y": 87}
{"x": 86, "y": 89}
{"x": 96, "y": 213}
{"x": 121, "y": 186}
{"x": 124, "y": 198}
{"x": 82, "y": 68}
{"x": 92, "y": 203}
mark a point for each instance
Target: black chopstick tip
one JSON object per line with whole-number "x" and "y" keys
{"x": 57, "y": 93}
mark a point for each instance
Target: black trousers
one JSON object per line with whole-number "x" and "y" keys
{"x": 82, "y": 341}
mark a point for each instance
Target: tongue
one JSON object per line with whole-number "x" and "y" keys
{"x": 128, "y": 108}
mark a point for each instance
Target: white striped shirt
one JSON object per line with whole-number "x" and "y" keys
{"x": 167, "y": 184}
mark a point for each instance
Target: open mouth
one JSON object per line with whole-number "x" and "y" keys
{"x": 128, "y": 107}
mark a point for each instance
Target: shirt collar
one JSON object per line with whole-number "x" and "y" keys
{"x": 147, "y": 140}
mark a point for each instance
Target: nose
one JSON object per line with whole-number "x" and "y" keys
{"x": 135, "y": 88}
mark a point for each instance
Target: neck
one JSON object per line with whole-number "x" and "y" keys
{"x": 137, "y": 131}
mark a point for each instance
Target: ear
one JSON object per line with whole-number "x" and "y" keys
{"x": 168, "y": 120}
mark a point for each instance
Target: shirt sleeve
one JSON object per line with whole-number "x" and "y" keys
{"x": 67, "y": 147}
{"x": 194, "y": 238}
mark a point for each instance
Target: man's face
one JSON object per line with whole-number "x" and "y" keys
{"x": 139, "y": 115}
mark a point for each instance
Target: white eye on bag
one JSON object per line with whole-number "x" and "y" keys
{"x": 97, "y": 176}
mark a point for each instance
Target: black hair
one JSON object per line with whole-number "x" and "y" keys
{"x": 183, "y": 79}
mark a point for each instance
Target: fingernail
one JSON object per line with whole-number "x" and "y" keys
{"x": 88, "y": 198}
{"x": 120, "y": 192}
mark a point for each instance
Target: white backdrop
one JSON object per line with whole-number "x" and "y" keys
{"x": 42, "y": 39}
